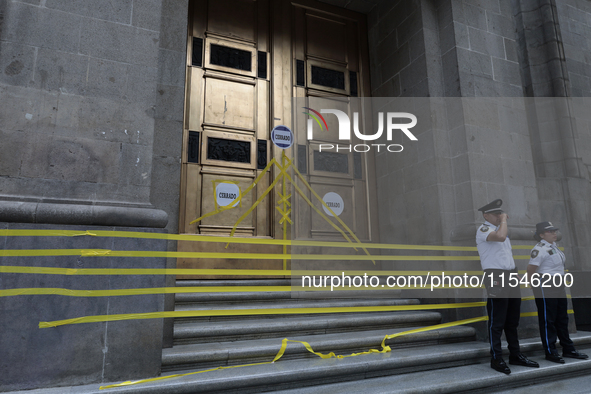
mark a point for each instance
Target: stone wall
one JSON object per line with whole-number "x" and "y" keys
{"x": 84, "y": 353}
{"x": 92, "y": 103}
{"x": 91, "y": 121}
{"x": 454, "y": 48}
{"x": 574, "y": 18}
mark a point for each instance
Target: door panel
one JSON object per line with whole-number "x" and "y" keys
{"x": 335, "y": 64}
{"x": 329, "y": 38}
{"x": 230, "y": 103}
{"x": 242, "y": 56}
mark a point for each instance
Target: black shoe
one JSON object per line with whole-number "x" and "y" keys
{"x": 499, "y": 365}
{"x": 555, "y": 358}
{"x": 575, "y": 354}
{"x": 520, "y": 359}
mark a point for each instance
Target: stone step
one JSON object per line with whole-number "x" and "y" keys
{"x": 571, "y": 377}
{"x": 231, "y": 296}
{"x": 295, "y": 303}
{"x": 272, "y": 294}
{"x": 233, "y": 282}
{"x": 449, "y": 368}
{"x": 205, "y": 355}
{"x": 198, "y": 332}
{"x": 572, "y": 385}
{"x": 315, "y": 304}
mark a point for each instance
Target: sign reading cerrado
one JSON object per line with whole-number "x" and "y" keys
{"x": 392, "y": 124}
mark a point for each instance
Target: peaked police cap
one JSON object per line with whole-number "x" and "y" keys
{"x": 542, "y": 227}
{"x": 492, "y": 207}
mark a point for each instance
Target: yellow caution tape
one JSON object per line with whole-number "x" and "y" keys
{"x": 45, "y": 252}
{"x": 437, "y": 326}
{"x": 281, "y": 352}
{"x": 385, "y": 349}
{"x": 242, "y": 312}
{"x": 303, "y": 195}
{"x": 256, "y": 203}
{"x": 248, "y": 189}
{"x": 91, "y": 253}
{"x": 285, "y": 216}
{"x": 224, "y": 239}
{"x": 222, "y": 255}
{"x": 204, "y": 289}
{"x": 329, "y": 209}
{"x": 129, "y": 382}
{"x": 141, "y": 291}
{"x": 139, "y": 271}
{"x": 197, "y": 271}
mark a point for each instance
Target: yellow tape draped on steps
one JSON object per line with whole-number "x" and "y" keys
{"x": 284, "y": 342}
{"x": 385, "y": 349}
{"x": 243, "y": 312}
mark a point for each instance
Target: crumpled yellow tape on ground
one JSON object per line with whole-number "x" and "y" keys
{"x": 242, "y": 312}
{"x": 385, "y": 349}
{"x": 129, "y": 382}
{"x": 280, "y": 353}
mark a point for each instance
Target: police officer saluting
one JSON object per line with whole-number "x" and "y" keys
{"x": 504, "y": 302}
{"x": 548, "y": 262}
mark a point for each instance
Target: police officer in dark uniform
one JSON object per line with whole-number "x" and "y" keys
{"x": 548, "y": 261}
{"x": 504, "y": 301}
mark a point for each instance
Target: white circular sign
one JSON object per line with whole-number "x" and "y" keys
{"x": 334, "y": 202}
{"x": 225, "y": 193}
{"x": 282, "y": 136}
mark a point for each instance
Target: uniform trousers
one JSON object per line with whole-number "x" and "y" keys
{"x": 553, "y": 319}
{"x": 503, "y": 307}
{"x": 503, "y": 314}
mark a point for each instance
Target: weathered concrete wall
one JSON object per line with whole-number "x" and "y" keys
{"x": 533, "y": 155}
{"x": 454, "y": 48}
{"x": 574, "y": 18}
{"x": 554, "y": 54}
{"x": 401, "y": 37}
{"x": 92, "y": 116}
{"x": 33, "y": 357}
{"x": 92, "y": 99}
{"x": 473, "y": 150}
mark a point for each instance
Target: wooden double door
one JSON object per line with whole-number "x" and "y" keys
{"x": 249, "y": 64}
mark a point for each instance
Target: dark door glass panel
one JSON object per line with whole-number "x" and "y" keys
{"x": 327, "y": 77}
{"x": 228, "y": 150}
{"x": 230, "y": 57}
{"x": 300, "y": 80}
{"x": 331, "y": 162}
{"x": 193, "y": 152}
